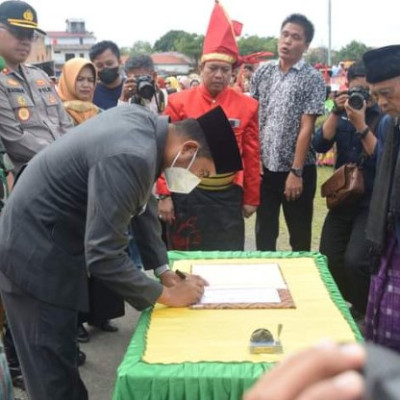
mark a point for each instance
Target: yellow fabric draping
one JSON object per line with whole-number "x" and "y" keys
{"x": 178, "y": 335}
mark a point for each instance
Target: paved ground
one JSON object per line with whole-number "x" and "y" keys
{"x": 104, "y": 353}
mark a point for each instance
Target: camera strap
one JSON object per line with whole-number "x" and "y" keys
{"x": 160, "y": 100}
{"x": 372, "y": 126}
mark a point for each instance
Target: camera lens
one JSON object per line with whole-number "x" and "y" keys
{"x": 356, "y": 101}
{"x": 146, "y": 90}
{"x": 145, "y": 87}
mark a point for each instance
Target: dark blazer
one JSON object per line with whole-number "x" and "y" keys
{"x": 70, "y": 210}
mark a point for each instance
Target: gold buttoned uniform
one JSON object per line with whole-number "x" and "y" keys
{"x": 31, "y": 113}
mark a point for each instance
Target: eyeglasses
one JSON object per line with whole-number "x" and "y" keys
{"x": 21, "y": 33}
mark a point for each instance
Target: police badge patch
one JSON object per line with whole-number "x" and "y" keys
{"x": 24, "y": 114}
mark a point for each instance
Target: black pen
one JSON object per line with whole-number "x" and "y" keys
{"x": 180, "y": 274}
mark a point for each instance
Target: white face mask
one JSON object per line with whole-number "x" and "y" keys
{"x": 181, "y": 180}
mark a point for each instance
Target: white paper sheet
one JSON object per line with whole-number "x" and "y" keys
{"x": 240, "y": 283}
{"x": 241, "y": 275}
{"x": 233, "y": 295}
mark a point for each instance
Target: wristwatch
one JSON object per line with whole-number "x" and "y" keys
{"x": 361, "y": 135}
{"x": 163, "y": 196}
{"x": 297, "y": 172}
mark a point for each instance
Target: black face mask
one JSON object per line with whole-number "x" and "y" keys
{"x": 108, "y": 75}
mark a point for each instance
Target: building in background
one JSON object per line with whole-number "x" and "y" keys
{"x": 74, "y": 42}
{"x": 53, "y": 50}
{"x": 172, "y": 63}
{"x": 41, "y": 51}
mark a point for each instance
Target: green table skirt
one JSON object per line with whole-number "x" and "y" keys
{"x": 138, "y": 380}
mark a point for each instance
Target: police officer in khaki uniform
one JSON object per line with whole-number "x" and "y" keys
{"x": 31, "y": 114}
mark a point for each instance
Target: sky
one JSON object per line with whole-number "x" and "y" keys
{"x": 126, "y": 22}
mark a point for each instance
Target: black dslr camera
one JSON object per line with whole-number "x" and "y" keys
{"x": 357, "y": 95}
{"x": 145, "y": 89}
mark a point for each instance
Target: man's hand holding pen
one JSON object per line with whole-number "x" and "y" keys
{"x": 182, "y": 289}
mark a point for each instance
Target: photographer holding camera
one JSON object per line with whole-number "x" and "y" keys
{"x": 350, "y": 125}
{"x": 140, "y": 84}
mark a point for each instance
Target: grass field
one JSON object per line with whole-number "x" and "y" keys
{"x": 320, "y": 211}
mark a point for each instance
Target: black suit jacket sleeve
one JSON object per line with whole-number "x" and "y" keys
{"x": 147, "y": 231}
{"x": 117, "y": 189}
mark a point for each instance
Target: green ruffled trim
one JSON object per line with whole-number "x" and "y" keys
{"x": 137, "y": 380}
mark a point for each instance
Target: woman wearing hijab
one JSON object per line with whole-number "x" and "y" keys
{"x": 184, "y": 82}
{"x": 76, "y": 89}
{"x": 172, "y": 85}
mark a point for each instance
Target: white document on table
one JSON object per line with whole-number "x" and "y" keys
{"x": 226, "y": 294}
{"x": 240, "y": 283}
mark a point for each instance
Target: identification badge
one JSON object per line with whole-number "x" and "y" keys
{"x": 52, "y": 99}
{"x": 24, "y": 114}
{"x": 12, "y": 82}
{"x": 21, "y": 101}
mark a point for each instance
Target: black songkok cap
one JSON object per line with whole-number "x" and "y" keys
{"x": 221, "y": 141}
{"x": 382, "y": 63}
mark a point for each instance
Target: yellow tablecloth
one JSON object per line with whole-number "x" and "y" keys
{"x": 203, "y": 354}
{"x": 178, "y": 335}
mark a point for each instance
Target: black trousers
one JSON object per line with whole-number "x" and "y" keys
{"x": 208, "y": 220}
{"x": 343, "y": 242}
{"x": 45, "y": 338}
{"x": 298, "y": 214}
{"x": 104, "y": 304}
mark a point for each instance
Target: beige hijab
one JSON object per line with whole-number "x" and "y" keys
{"x": 79, "y": 110}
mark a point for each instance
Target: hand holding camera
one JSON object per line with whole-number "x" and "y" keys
{"x": 128, "y": 89}
{"x": 358, "y": 96}
{"x": 355, "y": 97}
{"x": 138, "y": 88}
{"x": 339, "y": 102}
{"x": 356, "y": 105}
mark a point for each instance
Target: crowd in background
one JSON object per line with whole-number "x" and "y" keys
{"x": 282, "y": 113}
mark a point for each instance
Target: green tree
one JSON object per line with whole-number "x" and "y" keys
{"x": 168, "y": 41}
{"x": 141, "y": 47}
{"x": 353, "y": 51}
{"x": 125, "y": 51}
{"x": 317, "y": 55}
{"x": 191, "y": 45}
{"x": 254, "y": 44}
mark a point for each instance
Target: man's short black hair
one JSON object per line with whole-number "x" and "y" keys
{"x": 356, "y": 70}
{"x": 303, "y": 21}
{"x": 191, "y": 129}
{"x": 139, "y": 61}
{"x": 101, "y": 47}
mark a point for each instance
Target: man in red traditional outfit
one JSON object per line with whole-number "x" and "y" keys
{"x": 211, "y": 216}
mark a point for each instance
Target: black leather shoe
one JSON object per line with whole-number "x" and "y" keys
{"x": 83, "y": 334}
{"x": 81, "y": 357}
{"x": 107, "y": 326}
